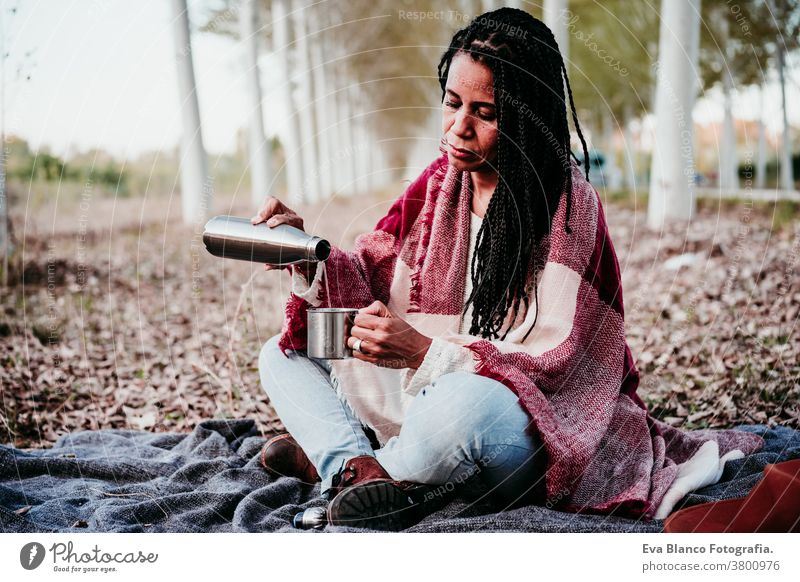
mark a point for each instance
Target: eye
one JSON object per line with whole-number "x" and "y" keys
{"x": 451, "y": 104}
{"x": 486, "y": 116}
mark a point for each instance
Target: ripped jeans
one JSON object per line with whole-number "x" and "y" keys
{"x": 458, "y": 427}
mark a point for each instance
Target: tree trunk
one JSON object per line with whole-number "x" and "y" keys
{"x": 324, "y": 117}
{"x": 340, "y": 172}
{"x": 258, "y": 148}
{"x": 425, "y": 148}
{"x": 611, "y": 173}
{"x": 5, "y": 242}
{"x": 351, "y": 163}
{"x": 196, "y": 184}
{"x": 728, "y": 175}
{"x": 308, "y": 146}
{"x": 672, "y": 166}
{"x": 628, "y": 153}
{"x": 761, "y": 155}
{"x": 361, "y": 138}
{"x": 555, "y": 17}
{"x": 291, "y": 139}
{"x": 786, "y": 176}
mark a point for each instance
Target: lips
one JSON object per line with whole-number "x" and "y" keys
{"x": 461, "y": 153}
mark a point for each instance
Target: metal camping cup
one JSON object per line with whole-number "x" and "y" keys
{"x": 328, "y": 330}
{"x": 232, "y": 237}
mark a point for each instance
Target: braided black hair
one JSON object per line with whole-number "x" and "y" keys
{"x": 533, "y": 158}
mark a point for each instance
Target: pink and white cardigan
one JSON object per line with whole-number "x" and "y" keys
{"x": 574, "y": 374}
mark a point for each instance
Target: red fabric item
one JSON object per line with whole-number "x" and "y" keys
{"x": 772, "y": 506}
{"x": 574, "y": 374}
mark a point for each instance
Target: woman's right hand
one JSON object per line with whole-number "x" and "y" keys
{"x": 275, "y": 212}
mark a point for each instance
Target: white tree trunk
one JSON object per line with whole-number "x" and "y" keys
{"x": 308, "y": 146}
{"x": 611, "y": 173}
{"x": 339, "y": 173}
{"x": 350, "y": 163}
{"x": 672, "y": 166}
{"x": 786, "y": 176}
{"x": 628, "y": 153}
{"x": 5, "y": 242}
{"x": 761, "y": 154}
{"x": 325, "y": 118}
{"x": 728, "y": 175}
{"x": 728, "y": 171}
{"x": 361, "y": 138}
{"x": 259, "y": 149}
{"x": 378, "y": 162}
{"x": 555, "y": 17}
{"x": 196, "y": 184}
{"x": 343, "y": 174}
{"x": 291, "y": 138}
{"x": 425, "y": 148}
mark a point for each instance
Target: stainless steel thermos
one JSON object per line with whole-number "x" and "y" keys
{"x": 231, "y": 237}
{"x": 311, "y": 518}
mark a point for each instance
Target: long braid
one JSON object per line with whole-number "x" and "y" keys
{"x": 533, "y": 160}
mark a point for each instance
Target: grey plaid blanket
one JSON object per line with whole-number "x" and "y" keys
{"x": 210, "y": 480}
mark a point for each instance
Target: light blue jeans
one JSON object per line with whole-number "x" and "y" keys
{"x": 458, "y": 427}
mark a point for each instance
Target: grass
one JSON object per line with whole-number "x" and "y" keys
{"x": 782, "y": 214}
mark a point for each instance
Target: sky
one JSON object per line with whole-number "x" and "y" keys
{"x": 102, "y": 75}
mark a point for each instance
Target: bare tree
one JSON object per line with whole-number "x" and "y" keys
{"x": 5, "y": 243}
{"x": 554, "y": 16}
{"x": 781, "y": 12}
{"x": 259, "y": 149}
{"x": 196, "y": 186}
{"x": 728, "y": 167}
{"x": 672, "y": 170}
{"x": 323, "y": 109}
{"x": 305, "y": 109}
{"x": 291, "y": 138}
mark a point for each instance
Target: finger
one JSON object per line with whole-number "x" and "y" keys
{"x": 269, "y": 208}
{"x": 277, "y": 219}
{"x": 362, "y": 333}
{"x": 367, "y": 321}
{"x": 352, "y": 339}
{"x": 375, "y": 308}
{"x": 367, "y": 348}
{"x": 274, "y": 221}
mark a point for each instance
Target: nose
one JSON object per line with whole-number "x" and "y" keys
{"x": 462, "y": 125}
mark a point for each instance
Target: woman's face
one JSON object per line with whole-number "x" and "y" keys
{"x": 469, "y": 118}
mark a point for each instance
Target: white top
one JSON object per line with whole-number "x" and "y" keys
{"x": 301, "y": 287}
{"x": 382, "y": 399}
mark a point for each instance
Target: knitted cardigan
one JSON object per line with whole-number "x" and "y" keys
{"x": 574, "y": 374}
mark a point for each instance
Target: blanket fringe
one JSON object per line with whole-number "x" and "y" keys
{"x": 415, "y": 292}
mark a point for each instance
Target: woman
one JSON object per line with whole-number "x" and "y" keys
{"x": 490, "y": 337}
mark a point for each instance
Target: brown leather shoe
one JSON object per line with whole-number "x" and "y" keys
{"x": 357, "y": 470}
{"x": 283, "y": 457}
{"x": 365, "y": 496}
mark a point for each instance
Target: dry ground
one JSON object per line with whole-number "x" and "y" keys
{"x": 120, "y": 319}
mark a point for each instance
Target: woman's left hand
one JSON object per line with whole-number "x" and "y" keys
{"x": 386, "y": 339}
